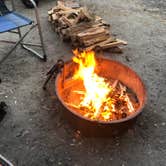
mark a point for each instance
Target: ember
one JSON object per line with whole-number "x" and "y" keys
{"x": 95, "y": 96}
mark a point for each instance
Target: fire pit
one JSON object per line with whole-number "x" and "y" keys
{"x": 101, "y": 96}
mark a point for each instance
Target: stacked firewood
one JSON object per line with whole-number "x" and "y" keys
{"x": 84, "y": 30}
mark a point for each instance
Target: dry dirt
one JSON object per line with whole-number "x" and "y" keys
{"x": 33, "y": 133}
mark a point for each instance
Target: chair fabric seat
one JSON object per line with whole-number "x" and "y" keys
{"x": 12, "y": 21}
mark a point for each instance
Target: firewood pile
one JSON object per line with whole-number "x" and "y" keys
{"x": 82, "y": 29}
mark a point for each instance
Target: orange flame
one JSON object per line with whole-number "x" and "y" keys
{"x": 96, "y": 97}
{"x": 96, "y": 88}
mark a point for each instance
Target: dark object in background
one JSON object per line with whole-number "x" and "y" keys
{"x": 28, "y": 3}
{"x": 3, "y": 106}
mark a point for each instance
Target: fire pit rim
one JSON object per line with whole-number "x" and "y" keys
{"x": 132, "y": 116}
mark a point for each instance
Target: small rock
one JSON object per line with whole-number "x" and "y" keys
{"x": 25, "y": 132}
{"x": 69, "y": 159}
{"x": 22, "y": 133}
{"x": 153, "y": 9}
{"x": 148, "y": 52}
{"x": 19, "y": 134}
{"x": 73, "y": 140}
{"x": 80, "y": 143}
{"x": 163, "y": 123}
{"x": 127, "y": 59}
{"x": 162, "y": 109}
{"x": 140, "y": 124}
{"x": 59, "y": 163}
{"x": 155, "y": 125}
{"x": 72, "y": 144}
{"x": 157, "y": 70}
{"x": 30, "y": 119}
{"x": 117, "y": 144}
{"x": 13, "y": 126}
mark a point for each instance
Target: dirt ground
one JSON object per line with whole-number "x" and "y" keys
{"x": 33, "y": 133}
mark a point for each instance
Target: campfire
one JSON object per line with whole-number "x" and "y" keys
{"x": 96, "y": 92}
{"x": 99, "y": 89}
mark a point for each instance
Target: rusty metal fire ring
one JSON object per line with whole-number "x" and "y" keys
{"x": 117, "y": 71}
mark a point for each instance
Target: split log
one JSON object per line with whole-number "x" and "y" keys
{"x": 67, "y": 13}
{"x": 66, "y": 21}
{"x": 92, "y": 32}
{"x": 95, "y": 40}
{"x": 50, "y": 12}
{"x": 113, "y": 44}
{"x": 54, "y": 17}
{"x": 83, "y": 16}
{"x": 105, "y": 44}
{"x": 81, "y": 28}
{"x": 78, "y": 28}
{"x": 49, "y": 18}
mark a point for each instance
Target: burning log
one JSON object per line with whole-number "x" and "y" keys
{"x": 115, "y": 84}
{"x": 77, "y": 25}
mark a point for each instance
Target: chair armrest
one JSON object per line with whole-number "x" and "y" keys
{"x": 37, "y": 16}
{"x": 36, "y": 11}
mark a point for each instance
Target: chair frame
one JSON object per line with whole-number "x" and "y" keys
{"x": 22, "y": 36}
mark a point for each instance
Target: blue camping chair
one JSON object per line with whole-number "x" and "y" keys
{"x": 11, "y": 21}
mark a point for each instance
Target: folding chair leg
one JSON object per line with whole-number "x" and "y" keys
{"x": 19, "y": 32}
{"x": 25, "y": 45}
{"x": 43, "y": 57}
{"x": 17, "y": 43}
{"x": 41, "y": 36}
{"x": 34, "y": 52}
{"x": 40, "y": 33}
